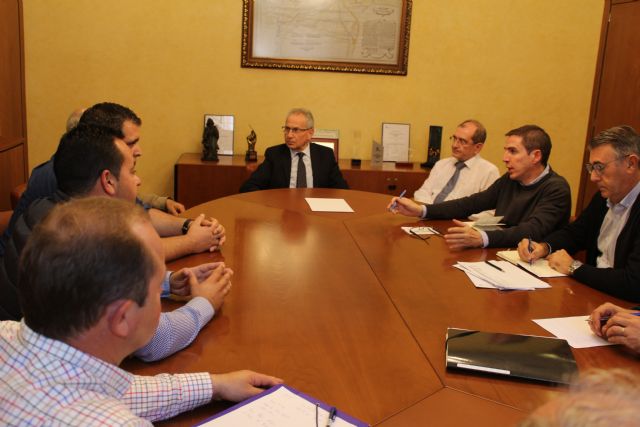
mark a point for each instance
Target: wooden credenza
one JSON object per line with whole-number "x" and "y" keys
{"x": 197, "y": 181}
{"x": 13, "y": 129}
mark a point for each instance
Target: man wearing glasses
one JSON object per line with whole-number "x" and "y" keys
{"x": 296, "y": 163}
{"x": 531, "y": 197}
{"x": 609, "y": 228}
{"x": 465, "y": 172}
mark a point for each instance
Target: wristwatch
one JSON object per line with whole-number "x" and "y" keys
{"x": 575, "y": 264}
{"x": 186, "y": 225}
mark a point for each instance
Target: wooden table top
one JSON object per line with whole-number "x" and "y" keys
{"x": 348, "y": 308}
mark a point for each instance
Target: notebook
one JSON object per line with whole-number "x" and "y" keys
{"x": 523, "y": 356}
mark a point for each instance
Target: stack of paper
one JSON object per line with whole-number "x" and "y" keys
{"x": 539, "y": 267}
{"x": 500, "y": 275}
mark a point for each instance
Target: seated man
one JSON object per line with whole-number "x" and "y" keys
{"x": 93, "y": 161}
{"x": 609, "y": 228}
{"x": 465, "y": 172}
{"x": 532, "y": 198}
{"x": 296, "y": 163}
{"x": 90, "y": 282}
{"x": 42, "y": 182}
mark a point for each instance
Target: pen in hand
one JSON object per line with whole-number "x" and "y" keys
{"x": 395, "y": 204}
{"x": 530, "y": 249}
{"x": 605, "y": 319}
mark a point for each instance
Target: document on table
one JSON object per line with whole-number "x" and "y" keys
{"x": 280, "y": 406}
{"x": 502, "y": 275}
{"x": 574, "y": 329}
{"x": 540, "y": 267}
{"x": 328, "y": 205}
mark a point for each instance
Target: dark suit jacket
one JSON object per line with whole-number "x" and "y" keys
{"x": 623, "y": 280}
{"x": 275, "y": 171}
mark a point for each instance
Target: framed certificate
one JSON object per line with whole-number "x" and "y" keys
{"x": 225, "y": 130}
{"x": 395, "y": 142}
{"x": 357, "y": 36}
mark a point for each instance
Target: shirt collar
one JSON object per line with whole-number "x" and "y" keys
{"x": 472, "y": 161}
{"x": 306, "y": 151}
{"x": 629, "y": 199}
{"x": 542, "y": 175}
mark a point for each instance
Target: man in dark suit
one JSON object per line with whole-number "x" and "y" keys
{"x": 297, "y": 163}
{"x": 609, "y": 228}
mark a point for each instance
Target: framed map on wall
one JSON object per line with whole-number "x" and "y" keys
{"x": 357, "y": 36}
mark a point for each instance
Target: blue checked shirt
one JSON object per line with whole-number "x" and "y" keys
{"x": 177, "y": 328}
{"x": 47, "y": 382}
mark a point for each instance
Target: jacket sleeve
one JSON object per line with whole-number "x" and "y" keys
{"x": 573, "y": 237}
{"x": 260, "y": 179}
{"x": 618, "y": 282}
{"x": 335, "y": 176}
{"x": 465, "y": 206}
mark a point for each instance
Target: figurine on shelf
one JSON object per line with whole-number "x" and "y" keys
{"x": 251, "y": 155}
{"x": 210, "y": 142}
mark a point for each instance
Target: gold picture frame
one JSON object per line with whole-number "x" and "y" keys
{"x": 354, "y": 36}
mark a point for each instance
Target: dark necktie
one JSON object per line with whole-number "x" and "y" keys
{"x": 301, "y": 180}
{"x": 450, "y": 185}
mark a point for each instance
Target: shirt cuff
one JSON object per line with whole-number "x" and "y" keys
{"x": 485, "y": 238}
{"x": 166, "y": 285}
{"x": 424, "y": 212}
{"x": 204, "y": 307}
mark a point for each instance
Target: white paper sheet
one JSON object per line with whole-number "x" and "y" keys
{"x": 540, "y": 267}
{"x": 328, "y": 205}
{"x": 503, "y": 275}
{"x": 282, "y": 408}
{"x": 574, "y": 329}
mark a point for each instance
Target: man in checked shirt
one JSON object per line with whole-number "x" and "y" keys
{"x": 90, "y": 283}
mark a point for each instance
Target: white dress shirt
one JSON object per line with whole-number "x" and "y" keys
{"x": 613, "y": 223}
{"x": 477, "y": 175}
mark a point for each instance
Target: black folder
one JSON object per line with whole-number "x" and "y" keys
{"x": 524, "y": 356}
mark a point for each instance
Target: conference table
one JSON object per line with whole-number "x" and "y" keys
{"x": 350, "y": 309}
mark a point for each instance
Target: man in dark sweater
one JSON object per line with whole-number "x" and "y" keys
{"x": 609, "y": 228}
{"x": 532, "y": 198}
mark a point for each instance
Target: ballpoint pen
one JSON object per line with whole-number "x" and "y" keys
{"x": 494, "y": 266}
{"x": 605, "y": 319}
{"x": 395, "y": 204}
{"x": 530, "y": 249}
{"x": 332, "y": 416}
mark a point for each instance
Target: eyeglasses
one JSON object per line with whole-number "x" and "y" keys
{"x": 287, "y": 129}
{"x": 460, "y": 141}
{"x": 417, "y": 232}
{"x": 599, "y": 167}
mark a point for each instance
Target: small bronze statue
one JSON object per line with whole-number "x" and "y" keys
{"x": 252, "y": 155}
{"x": 210, "y": 142}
